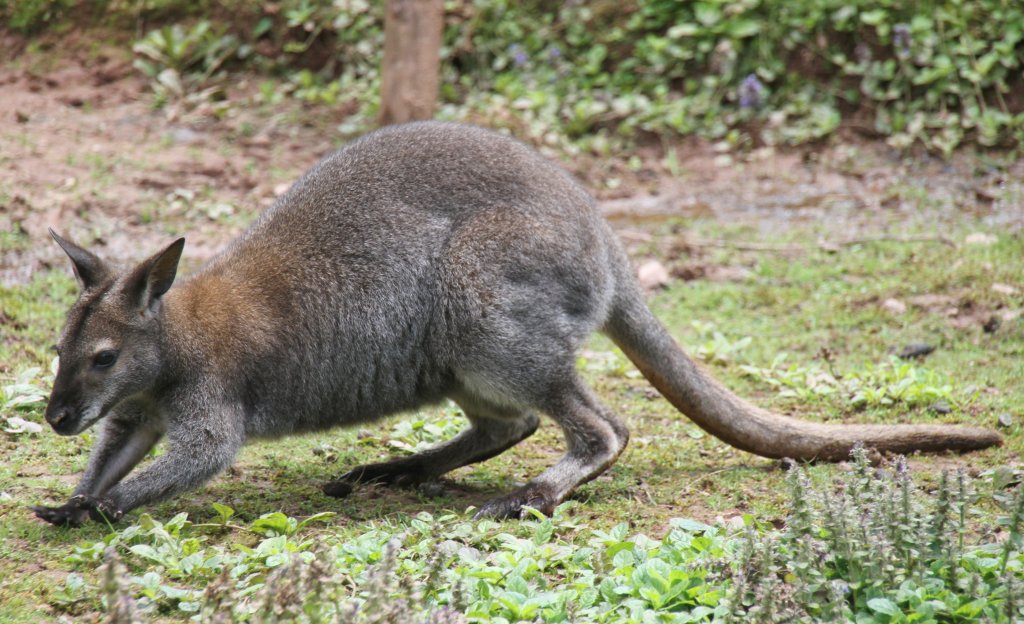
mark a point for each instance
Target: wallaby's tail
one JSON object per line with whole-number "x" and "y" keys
{"x": 721, "y": 413}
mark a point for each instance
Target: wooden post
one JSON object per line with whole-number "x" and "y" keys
{"x": 412, "y": 59}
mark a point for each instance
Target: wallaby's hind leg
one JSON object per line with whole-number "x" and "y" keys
{"x": 493, "y": 430}
{"x": 595, "y": 438}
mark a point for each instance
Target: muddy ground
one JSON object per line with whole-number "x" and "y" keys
{"x": 82, "y": 150}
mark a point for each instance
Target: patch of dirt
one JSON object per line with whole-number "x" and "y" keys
{"x": 83, "y": 151}
{"x": 937, "y": 464}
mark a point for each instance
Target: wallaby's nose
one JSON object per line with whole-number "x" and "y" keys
{"x": 57, "y": 416}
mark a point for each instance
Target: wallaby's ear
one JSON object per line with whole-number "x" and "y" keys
{"x": 153, "y": 277}
{"x": 89, "y": 269}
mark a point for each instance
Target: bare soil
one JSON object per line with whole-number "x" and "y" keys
{"x": 83, "y": 151}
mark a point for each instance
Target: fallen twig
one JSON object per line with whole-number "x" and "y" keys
{"x": 702, "y": 242}
{"x": 921, "y": 238}
{"x": 635, "y": 236}
{"x": 829, "y": 246}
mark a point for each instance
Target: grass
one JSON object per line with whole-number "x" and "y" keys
{"x": 823, "y": 309}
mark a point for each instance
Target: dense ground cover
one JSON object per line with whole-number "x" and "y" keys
{"x": 582, "y": 74}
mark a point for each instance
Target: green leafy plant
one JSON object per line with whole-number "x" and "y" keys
{"x": 869, "y": 546}
{"x": 891, "y": 382}
{"x": 715, "y": 347}
{"x": 28, "y": 392}
{"x": 409, "y": 569}
{"x": 182, "y": 60}
{"x": 875, "y": 548}
{"x": 30, "y": 16}
{"x": 425, "y": 429}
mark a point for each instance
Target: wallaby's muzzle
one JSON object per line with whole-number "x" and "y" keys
{"x": 63, "y": 419}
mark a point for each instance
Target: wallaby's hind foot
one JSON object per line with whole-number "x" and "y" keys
{"x": 595, "y": 438}
{"x": 511, "y": 506}
{"x": 487, "y": 437}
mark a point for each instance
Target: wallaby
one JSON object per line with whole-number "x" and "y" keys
{"x": 421, "y": 262}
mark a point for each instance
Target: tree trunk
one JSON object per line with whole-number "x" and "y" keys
{"x": 412, "y": 59}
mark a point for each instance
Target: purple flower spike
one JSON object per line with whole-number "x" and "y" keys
{"x": 751, "y": 92}
{"x": 519, "y": 56}
{"x": 901, "y": 40}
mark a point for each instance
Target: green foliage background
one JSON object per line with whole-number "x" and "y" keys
{"x": 936, "y": 73}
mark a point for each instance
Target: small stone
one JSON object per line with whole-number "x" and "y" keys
{"x": 723, "y": 160}
{"x": 915, "y": 350}
{"x": 1005, "y": 420}
{"x": 281, "y": 189}
{"x": 940, "y": 407}
{"x": 828, "y": 247}
{"x": 894, "y": 306}
{"x": 186, "y": 136}
{"x": 980, "y": 238}
{"x": 652, "y": 275}
{"x": 735, "y": 523}
{"x": 1004, "y": 289}
{"x": 338, "y": 489}
{"x": 5, "y": 496}
{"x": 432, "y": 489}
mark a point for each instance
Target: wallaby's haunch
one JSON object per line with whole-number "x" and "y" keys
{"x": 421, "y": 262}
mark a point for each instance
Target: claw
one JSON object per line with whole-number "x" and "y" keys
{"x": 103, "y": 510}
{"x": 69, "y": 514}
{"x": 382, "y": 474}
{"x": 511, "y": 506}
{"x": 74, "y": 512}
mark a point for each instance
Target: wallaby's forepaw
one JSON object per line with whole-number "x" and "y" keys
{"x": 77, "y": 509}
{"x": 511, "y": 505}
{"x": 68, "y": 514}
{"x": 386, "y": 473}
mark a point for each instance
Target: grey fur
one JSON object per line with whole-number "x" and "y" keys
{"x": 423, "y": 261}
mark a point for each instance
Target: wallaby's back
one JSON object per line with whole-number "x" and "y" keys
{"x": 412, "y": 255}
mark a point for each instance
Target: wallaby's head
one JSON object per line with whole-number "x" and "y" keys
{"x": 110, "y": 348}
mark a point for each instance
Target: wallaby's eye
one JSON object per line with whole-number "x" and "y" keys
{"x": 104, "y": 359}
